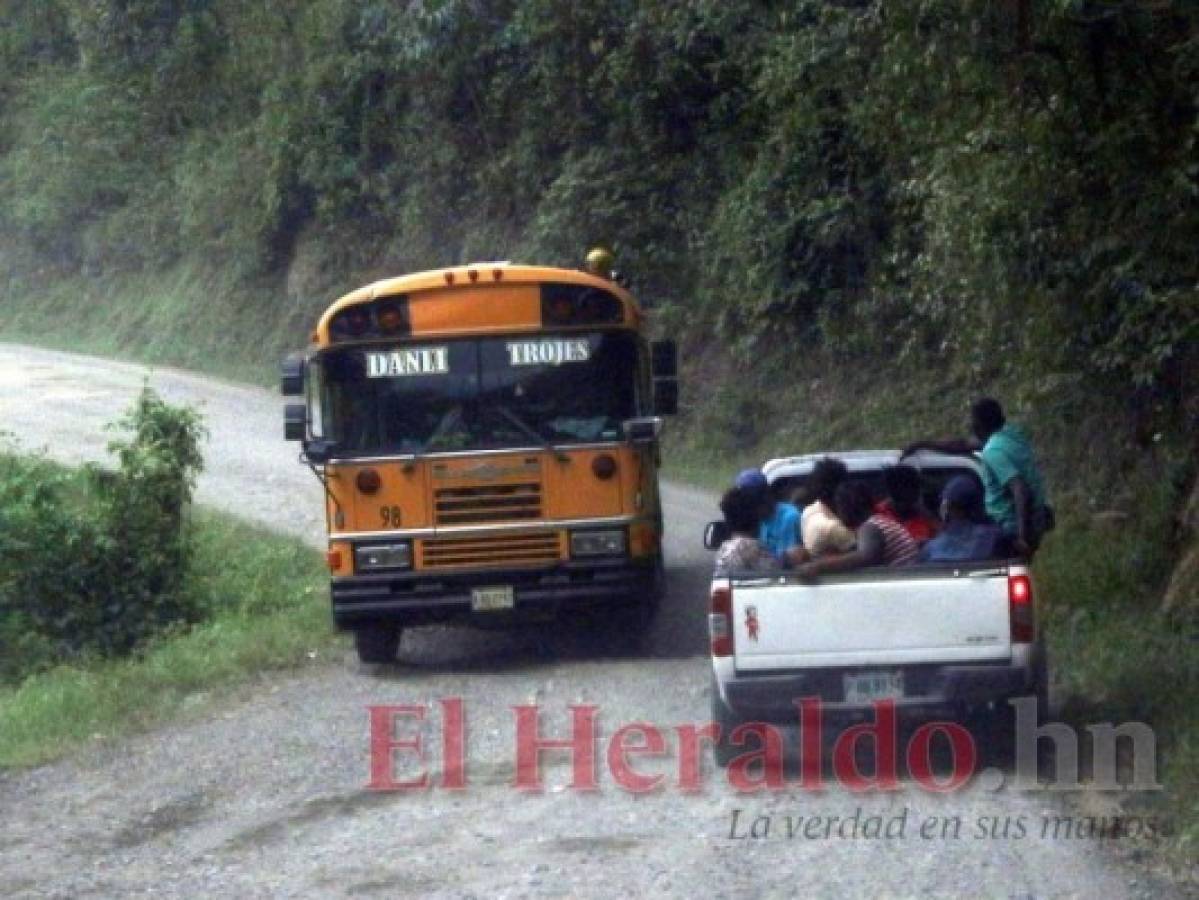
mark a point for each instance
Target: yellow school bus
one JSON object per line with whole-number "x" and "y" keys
{"x": 487, "y": 438}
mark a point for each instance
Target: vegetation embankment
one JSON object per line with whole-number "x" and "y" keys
{"x": 118, "y": 601}
{"x": 855, "y": 216}
{"x": 992, "y": 188}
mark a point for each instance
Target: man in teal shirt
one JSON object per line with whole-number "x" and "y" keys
{"x": 1011, "y": 477}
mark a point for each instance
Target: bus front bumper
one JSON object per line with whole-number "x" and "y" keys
{"x": 424, "y": 597}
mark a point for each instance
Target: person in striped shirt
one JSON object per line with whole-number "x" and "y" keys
{"x": 880, "y": 541}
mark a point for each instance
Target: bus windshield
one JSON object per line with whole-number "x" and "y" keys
{"x": 483, "y": 393}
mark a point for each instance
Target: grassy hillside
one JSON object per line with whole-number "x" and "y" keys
{"x": 252, "y": 623}
{"x": 988, "y": 188}
{"x": 182, "y": 316}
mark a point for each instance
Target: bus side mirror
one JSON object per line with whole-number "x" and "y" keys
{"x": 318, "y": 451}
{"x": 291, "y": 372}
{"x": 295, "y": 422}
{"x": 664, "y": 359}
{"x": 641, "y": 431}
{"x": 666, "y": 396}
{"x": 716, "y": 534}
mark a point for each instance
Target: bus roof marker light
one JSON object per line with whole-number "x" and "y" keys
{"x": 599, "y": 262}
{"x": 497, "y": 274}
{"x": 392, "y": 315}
{"x": 352, "y": 323}
{"x": 562, "y": 310}
{"x": 473, "y": 274}
{"x": 449, "y": 277}
{"x": 575, "y": 304}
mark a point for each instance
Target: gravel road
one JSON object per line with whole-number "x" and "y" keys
{"x": 264, "y": 792}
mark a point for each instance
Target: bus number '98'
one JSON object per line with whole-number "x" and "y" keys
{"x": 390, "y": 516}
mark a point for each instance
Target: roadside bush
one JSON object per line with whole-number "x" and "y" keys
{"x": 95, "y": 562}
{"x": 22, "y": 649}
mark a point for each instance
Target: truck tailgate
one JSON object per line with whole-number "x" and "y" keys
{"x": 872, "y": 618}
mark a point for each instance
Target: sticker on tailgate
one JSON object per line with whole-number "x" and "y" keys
{"x": 751, "y": 623}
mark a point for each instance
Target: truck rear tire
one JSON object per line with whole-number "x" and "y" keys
{"x": 657, "y": 588}
{"x": 377, "y": 643}
{"x": 723, "y": 751}
{"x": 1042, "y": 687}
{"x": 996, "y": 727}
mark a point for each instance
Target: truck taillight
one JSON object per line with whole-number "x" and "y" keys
{"x": 1019, "y": 594}
{"x": 720, "y": 620}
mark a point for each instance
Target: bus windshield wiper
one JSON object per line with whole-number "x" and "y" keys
{"x": 453, "y": 423}
{"x": 532, "y": 432}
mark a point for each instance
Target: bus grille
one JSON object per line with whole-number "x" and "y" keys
{"x": 491, "y": 551}
{"x": 490, "y": 503}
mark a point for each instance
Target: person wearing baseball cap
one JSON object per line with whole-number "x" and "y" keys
{"x": 779, "y": 531}
{"x": 751, "y": 480}
{"x": 742, "y": 551}
{"x": 967, "y": 533}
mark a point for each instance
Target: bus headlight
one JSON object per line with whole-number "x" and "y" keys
{"x": 377, "y": 557}
{"x": 598, "y": 543}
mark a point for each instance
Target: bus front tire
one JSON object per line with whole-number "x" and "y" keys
{"x": 641, "y": 609}
{"x": 377, "y": 643}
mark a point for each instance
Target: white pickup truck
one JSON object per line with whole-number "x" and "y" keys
{"x": 937, "y": 638}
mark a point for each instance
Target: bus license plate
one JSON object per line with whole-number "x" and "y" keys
{"x": 491, "y": 599}
{"x": 866, "y": 687}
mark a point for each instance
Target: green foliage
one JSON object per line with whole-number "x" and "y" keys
{"x": 264, "y": 599}
{"x": 142, "y": 507}
{"x": 1005, "y": 185}
{"x": 23, "y": 649}
{"x": 1114, "y": 657}
{"x": 76, "y": 159}
{"x": 98, "y": 564}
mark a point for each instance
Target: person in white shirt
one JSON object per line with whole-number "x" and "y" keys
{"x": 823, "y": 532}
{"x": 743, "y": 513}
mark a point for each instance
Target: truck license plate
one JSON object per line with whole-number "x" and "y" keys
{"x": 490, "y": 599}
{"x": 866, "y": 687}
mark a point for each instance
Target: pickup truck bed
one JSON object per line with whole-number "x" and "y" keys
{"x": 943, "y": 639}
{"x": 936, "y": 639}
{"x": 917, "y": 614}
